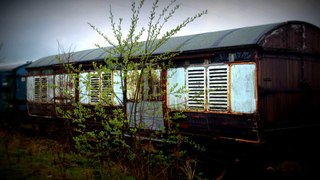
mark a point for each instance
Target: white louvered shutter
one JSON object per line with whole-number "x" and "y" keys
{"x": 196, "y": 88}
{"x": 218, "y": 88}
{"x": 94, "y": 88}
{"x": 37, "y": 87}
{"x": 106, "y": 88}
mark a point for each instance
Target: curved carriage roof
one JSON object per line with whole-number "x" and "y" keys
{"x": 245, "y": 36}
{"x": 12, "y": 67}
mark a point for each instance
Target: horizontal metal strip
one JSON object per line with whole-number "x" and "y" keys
{"x": 217, "y": 99}
{"x": 196, "y": 106}
{"x": 195, "y": 70}
{"x": 218, "y": 105}
{"x": 198, "y": 88}
{"x": 195, "y": 98}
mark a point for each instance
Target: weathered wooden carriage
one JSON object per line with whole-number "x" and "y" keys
{"x": 246, "y": 84}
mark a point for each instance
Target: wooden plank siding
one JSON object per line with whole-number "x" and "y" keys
{"x": 289, "y": 76}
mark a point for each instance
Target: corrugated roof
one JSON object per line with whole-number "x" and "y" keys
{"x": 211, "y": 40}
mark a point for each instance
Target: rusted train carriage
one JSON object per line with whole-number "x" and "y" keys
{"x": 243, "y": 84}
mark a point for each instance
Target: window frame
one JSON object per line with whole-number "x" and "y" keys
{"x": 64, "y": 88}
{"x": 40, "y": 88}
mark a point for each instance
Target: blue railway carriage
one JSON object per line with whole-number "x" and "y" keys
{"x": 250, "y": 84}
{"x": 13, "y": 92}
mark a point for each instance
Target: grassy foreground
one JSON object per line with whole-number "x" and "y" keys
{"x": 23, "y": 157}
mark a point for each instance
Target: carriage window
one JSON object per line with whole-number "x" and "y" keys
{"x": 44, "y": 88}
{"x": 106, "y": 87}
{"x": 64, "y": 88}
{"x": 94, "y": 88}
{"x": 37, "y": 87}
{"x": 132, "y": 84}
{"x": 42, "y": 92}
{"x": 243, "y": 88}
{"x": 30, "y": 88}
{"x": 117, "y": 88}
{"x": 154, "y": 85}
{"x": 149, "y": 85}
{"x": 196, "y": 79}
{"x": 231, "y": 56}
{"x": 84, "y": 87}
{"x": 176, "y": 88}
{"x": 100, "y": 88}
{"x": 217, "y": 87}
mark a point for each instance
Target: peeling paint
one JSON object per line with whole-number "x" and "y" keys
{"x": 273, "y": 33}
{"x": 304, "y": 46}
{"x": 243, "y": 88}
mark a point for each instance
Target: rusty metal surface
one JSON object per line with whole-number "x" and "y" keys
{"x": 221, "y": 126}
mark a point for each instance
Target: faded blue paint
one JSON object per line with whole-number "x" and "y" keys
{"x": 118, "y": 94}
{"x": 176, "y": 82}
{"x": 21, "y": 87}
{"x": 84, "y": 93}
{"x": 149, "y": 115}
{"x": 243, "y": 88}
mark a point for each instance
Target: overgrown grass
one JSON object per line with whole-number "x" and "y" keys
{"x": 36, "y": 157}
{"x": 23, "y": 157}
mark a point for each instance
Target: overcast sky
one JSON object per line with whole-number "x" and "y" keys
{"x": 31, "y": 29}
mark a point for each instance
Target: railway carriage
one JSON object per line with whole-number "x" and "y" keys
{"x": 13, "y": 93}
{"x": 248, "y": 84}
